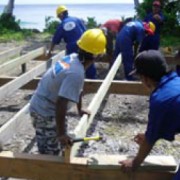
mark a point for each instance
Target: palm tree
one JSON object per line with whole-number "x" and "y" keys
{"x": 7, "y": 19}
{"x": 9, "y": 8}
{"x": 136, "y": 3}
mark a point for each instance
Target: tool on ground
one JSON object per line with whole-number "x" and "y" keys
{"x": 67, "y": 152}
{"x": 85, "y": 139}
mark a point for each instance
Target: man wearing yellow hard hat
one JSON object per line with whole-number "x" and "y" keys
{"x": 70, "y": 30}
{"x": 61, "y": 84}
{"x": 128, "y": 40}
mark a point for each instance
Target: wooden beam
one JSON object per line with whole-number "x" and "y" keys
{"x": 173, "y": 60}
{"x": 15, "y": 84}
{"x": 45, "y": 167}
{"x": 117, "y": 87}
{"x": 21, "y": 60}
{"x": 85, "y": 122}
{"x": 8, "y": 54}
{"x": 91, "y": 86}
{"x": 14, "y": 124}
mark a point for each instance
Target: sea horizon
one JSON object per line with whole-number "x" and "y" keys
{"x": 33, "y": 15}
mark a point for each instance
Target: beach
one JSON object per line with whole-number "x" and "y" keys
{"x": 33, "y": 16}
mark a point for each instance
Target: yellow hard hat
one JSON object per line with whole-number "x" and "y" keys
{"x": 93, "y": 41}
{"x": 60, "y": 9}
{"x": 152, "y": 26}
{"x": 149, "y": 27}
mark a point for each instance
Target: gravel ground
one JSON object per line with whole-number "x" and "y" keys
{"x": 119, "y": 118}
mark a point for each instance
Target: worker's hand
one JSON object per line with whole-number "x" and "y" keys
{"x": 127, "y": 165}
{"x": 49, "y": 54}
{"x": 157, "y": 17}
{"x": 139, "y": 138}
{"x": 65, "y": 140}
{"x": 84, "y": 111}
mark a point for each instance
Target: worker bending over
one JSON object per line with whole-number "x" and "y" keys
{"x": 61, "y": 84}
{"x": 130, "y": 36}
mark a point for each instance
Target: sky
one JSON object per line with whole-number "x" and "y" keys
{"x": 66, "y": 1}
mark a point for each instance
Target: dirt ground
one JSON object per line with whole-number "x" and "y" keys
{"x": 119, "y": 118}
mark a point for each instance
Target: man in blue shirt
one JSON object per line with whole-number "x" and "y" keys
{"x": 164, "y": 114}
{"x": 70, "y": 30}
{"x": 156, "y": 16}
{"x": 132, "y": 33}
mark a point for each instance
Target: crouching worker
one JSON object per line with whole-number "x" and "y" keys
{"x": 61, "y": 84}
{"x": 164, "y": 114}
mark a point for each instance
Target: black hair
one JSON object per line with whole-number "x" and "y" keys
{"x": 152, "y": 64}
{"x": 84, "y": 55}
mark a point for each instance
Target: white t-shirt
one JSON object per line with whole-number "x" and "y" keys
{"x": 64, "y": 79}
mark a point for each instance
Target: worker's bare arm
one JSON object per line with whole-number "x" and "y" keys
{"x": 61, "y": 108}
{"x": 132, "y": 164}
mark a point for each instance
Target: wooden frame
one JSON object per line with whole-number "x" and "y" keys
{"x": 35, "y": 166}
{"x": 8, "y": 54}
{"x": 15, "y": 84}
{"x": 21, "y": 60}
{"x": 46, "y": 167}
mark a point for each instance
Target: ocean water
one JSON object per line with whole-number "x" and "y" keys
{"x": 33, "y": 16}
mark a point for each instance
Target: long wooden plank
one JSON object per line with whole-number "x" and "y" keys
{"x": 85, "y": 121}
{"x": 14, "y": 124}
{"x": 43, "y": 167}
{"x": 8, "y": 54}
{"x": 161, "y": 163}
{"x": 21, "y": 60}
{"x": 15, "y": 84}
{"x": 91, "y": 86}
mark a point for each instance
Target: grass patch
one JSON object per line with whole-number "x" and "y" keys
{"x": 170, "y": 41}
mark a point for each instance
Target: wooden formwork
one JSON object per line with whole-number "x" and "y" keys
{"x": 43, "y": 167}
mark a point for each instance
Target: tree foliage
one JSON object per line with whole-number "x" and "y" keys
{"x": 8, "y": 22}
{"x": 91, "y": 23}
{"x": 50, "y": 25}
{"x": 171, "y": 11}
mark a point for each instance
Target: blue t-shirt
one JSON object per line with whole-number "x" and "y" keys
{"x": 70, "y": 29}
{"x": 164, "y": 114}
{"x": 64, "y": 79}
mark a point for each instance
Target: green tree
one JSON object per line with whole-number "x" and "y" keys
{"x": 50, "y": 25}
{"x": 91, "y": 23}
{"x": 7, "y": 19}
{"x": 171, "y": 11}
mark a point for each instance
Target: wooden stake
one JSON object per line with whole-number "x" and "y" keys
{"x": 67, "y": 154}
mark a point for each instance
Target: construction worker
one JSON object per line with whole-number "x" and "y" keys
{"x": 130, "y": 36}
{"x": 156, "y": 16}
{"x": 61, "y": 84}
{"x": 111, "y": 28}
{"x": 164, "y": 114}
{"x": 113, "y": 25}
{"x": 70, "y": 30}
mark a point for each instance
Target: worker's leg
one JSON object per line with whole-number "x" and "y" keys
{"x": 46, "y": 135}
{"x": 150, "y": 42}
{"x": 128, "y": 61}
{"x": 91, "y": 72}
